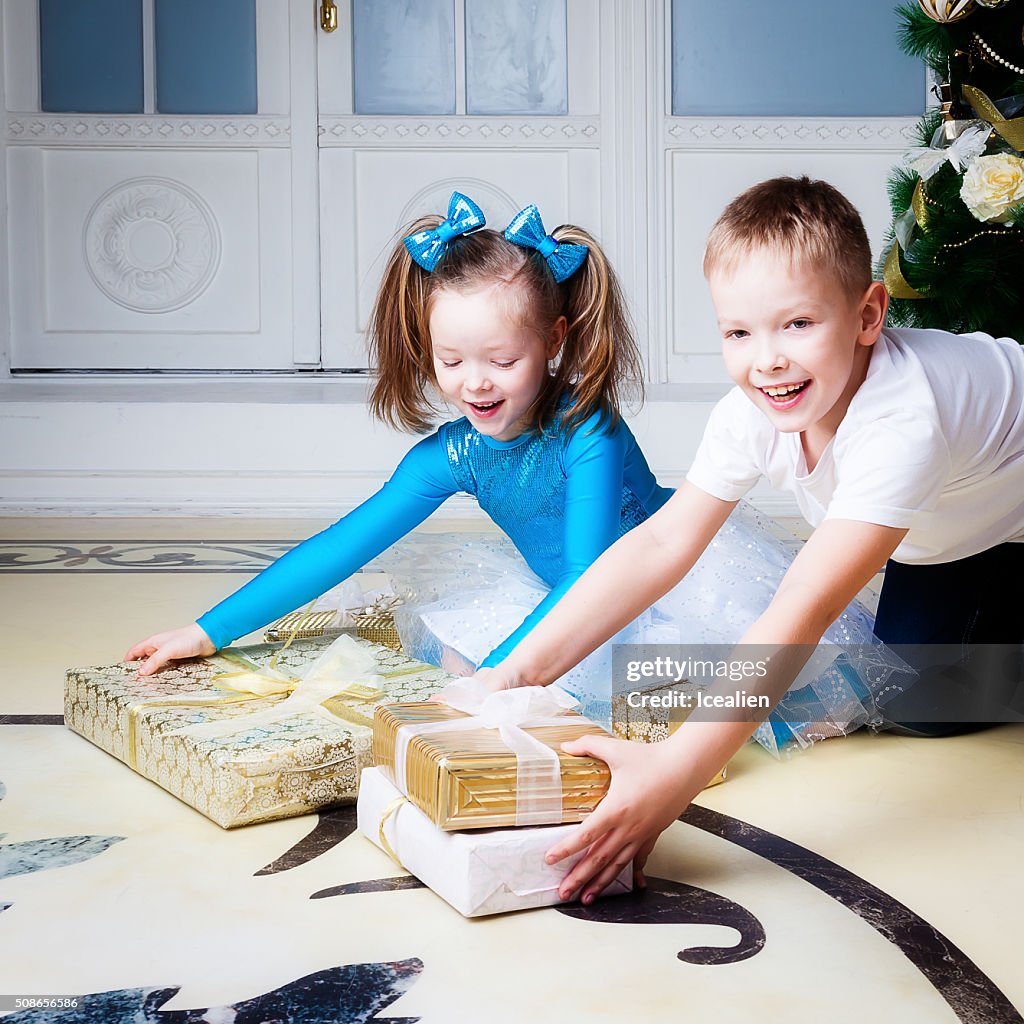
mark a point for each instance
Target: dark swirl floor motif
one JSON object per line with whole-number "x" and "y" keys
{"x": 332, "y": 827}
{"x": 31, "y": 719}
{"x": 970, "y": 993}
{"x": 19, "y": 556}
{"x": 395, "y": 884}
{"x": 668, "y": 902}
{"x": 663, "y": 902}
{"x": 353, "y": 994}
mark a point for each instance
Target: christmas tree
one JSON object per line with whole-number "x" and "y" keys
{"x": 955, "y": 256}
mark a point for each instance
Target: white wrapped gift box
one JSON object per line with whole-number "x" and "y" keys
{"x": 478, "y": 873}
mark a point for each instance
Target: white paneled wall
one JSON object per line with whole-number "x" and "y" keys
{"x": 255, "y": 244}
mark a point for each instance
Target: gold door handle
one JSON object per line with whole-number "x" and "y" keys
{"x": 328, "y": 15}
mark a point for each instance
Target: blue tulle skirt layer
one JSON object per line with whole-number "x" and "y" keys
{"x": 464, "y": 593}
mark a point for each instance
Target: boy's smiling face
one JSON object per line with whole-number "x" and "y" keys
{"x": 795, "y": 340}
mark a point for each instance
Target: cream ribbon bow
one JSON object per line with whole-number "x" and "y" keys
{"x": 344, "y": 670}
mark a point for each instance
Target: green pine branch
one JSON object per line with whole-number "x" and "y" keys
{"x": 925, "y": 128}
{"x": 927, "y": 40}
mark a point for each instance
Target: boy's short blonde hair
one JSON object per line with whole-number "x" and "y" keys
{"x": 811, "y": 222}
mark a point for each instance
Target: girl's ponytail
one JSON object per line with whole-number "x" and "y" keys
{"x": 600, "y": 362}
{"x": 399, "y": 340}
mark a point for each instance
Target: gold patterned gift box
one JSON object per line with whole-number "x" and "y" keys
{"x": 261, "y": 758}
{"x": 470, "y": 778}
{"x": 652, "y": 724}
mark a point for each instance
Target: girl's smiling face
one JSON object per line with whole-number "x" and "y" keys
{"x": 795, "y": 340}
{"x": 491, "y": 368}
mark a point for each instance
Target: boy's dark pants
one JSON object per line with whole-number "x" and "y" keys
{"x": 974, "y": 604}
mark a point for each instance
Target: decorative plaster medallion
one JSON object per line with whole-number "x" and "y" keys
{"x": 152, "y": 244}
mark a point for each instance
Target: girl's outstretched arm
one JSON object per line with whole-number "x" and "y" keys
{"x": 652, "y": 785}
{"x": 422, "y": 481}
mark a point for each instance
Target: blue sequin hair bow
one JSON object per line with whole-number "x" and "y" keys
{"x": 428, "y": 246}
{"x": 527, "y": 230}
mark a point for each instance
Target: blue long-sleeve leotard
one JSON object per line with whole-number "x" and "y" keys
{"x": 561, "y": 497}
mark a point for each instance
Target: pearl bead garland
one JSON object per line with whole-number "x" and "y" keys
{"x": 991, "y": 55}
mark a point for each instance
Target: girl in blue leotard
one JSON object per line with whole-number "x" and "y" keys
{"x": 526, "y": 334}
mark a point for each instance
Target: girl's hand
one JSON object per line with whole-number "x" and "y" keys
{"x": 647, "y": 793}
{"x": 159, "y": 649}
{"x": 455, "y": 664}
{"x": 495, "y": 679}
{"x": 487, "y": 679}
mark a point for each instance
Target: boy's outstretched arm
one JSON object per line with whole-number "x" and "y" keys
{"x": 628, "y": 578}
{"x": 653, "y": 784}
{"x": 593, "y": 460}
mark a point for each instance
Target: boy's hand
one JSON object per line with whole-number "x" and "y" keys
{"x": 159, "y": 649}
{"x": 645, "y": 796}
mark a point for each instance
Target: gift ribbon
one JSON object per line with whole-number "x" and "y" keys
{"x": 137, "y": 711}
{"x": 919, "y": 204}
{"x": 384, "y": 605}
{"x": 510, "y": 712}
{"x": 266, "y": 681}
{"x": 343, "y": 659}
{"x": 385, "y": 816}
{"x": 1012, "y": 129}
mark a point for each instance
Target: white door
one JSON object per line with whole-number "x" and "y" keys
{"x": 396, "y": 83}
{"x": 153, "y": 240}
{"x": 144, "y": 239}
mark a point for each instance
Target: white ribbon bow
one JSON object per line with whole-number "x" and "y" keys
{"x": 968, "y": 144}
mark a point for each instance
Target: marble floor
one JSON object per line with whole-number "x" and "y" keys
{"x": 871, "y": 878}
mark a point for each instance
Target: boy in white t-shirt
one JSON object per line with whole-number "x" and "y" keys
{"x": 904, "y": 447}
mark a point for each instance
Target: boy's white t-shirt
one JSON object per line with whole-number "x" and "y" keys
{"x": 933, "y": 441}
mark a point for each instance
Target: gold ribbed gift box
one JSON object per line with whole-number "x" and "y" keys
{"x": 376, "y": 624}
{"x": 652, "y": 725}
{"x": 467, "y": 779}
{"x": 378, "y": 627}
{"x": 294, "y": 765}
{"x": 302, "y": 626}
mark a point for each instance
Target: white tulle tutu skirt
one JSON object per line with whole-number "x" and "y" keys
{"x": 464, "y": 593}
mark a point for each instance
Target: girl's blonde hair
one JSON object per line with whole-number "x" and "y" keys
{"x": 599, "y": 364}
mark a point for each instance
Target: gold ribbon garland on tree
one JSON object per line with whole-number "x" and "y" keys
{"x": 1011, "y": 130}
